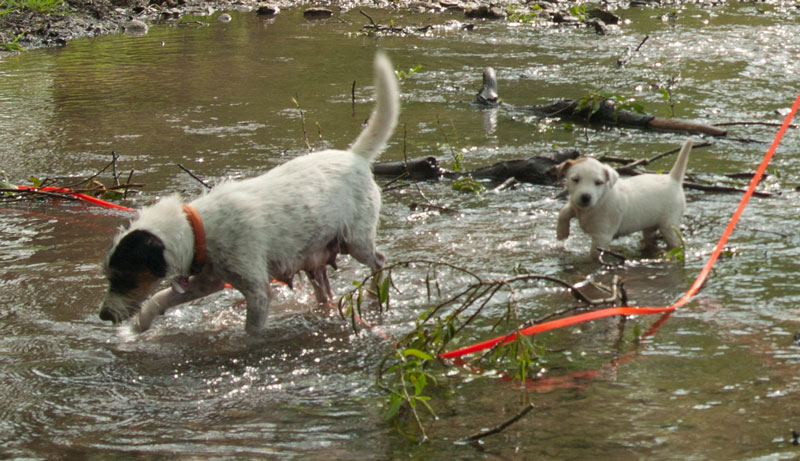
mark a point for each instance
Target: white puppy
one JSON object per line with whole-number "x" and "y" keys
{"x": 296, "y": 217}
{"x": 608, "y": 207}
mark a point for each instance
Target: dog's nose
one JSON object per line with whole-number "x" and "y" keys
{"x": 586, "y": 199}
{"x": 106, "y": 314}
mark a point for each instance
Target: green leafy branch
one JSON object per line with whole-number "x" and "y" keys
{"x": 404, "y": 75}
{"x": 591, "y": 103}
{"x": 457, "y": 298}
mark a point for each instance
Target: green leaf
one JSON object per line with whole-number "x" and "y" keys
{"x": 468, "y": 184}
{"x": 383, "y": 290}
{"x": 417, "y": 353}
{"x": 395, "y": 402}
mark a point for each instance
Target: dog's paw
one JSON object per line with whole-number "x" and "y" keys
{"x": 138, "y": 325}
{"x": 562, "y": 231}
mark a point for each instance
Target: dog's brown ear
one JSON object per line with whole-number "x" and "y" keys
{"x": 563, "y": 168}
{"x": 611, "y": 176}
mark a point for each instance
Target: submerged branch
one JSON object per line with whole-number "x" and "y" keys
{"x": 502, "y": 426}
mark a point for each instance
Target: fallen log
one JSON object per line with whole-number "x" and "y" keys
{"x": 422, "y": 168}
{"x": 607, "y": 112}
{"x": 540, "y": 169}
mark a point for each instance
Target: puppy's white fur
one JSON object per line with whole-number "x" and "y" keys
{"x": 607, "y": 206}
{"x": 296, "y": 217}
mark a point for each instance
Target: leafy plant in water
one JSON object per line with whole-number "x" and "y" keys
{"x": 515, "y": 15}
{"x": 468, "y": 184}
{"x": 579, "y": 11}
{"x": 593, "y": 101}
{"x": 403, "y": 75}
{"x": 665, "y": 90}
{"x": 409, "y": 374}
{"x": 679, "y": 252}
{"x": 458, "y": 157}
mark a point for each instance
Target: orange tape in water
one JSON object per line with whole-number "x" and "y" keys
{"x": 84, "y": 197}
{"x": 698, "y": 283}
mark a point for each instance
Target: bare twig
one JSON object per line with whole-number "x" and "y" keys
{"x": 125, "y": 193}
{"x": 193, "y": 176}
{"x": 748, "y": 123}
{"x": 353, "y": 97}
{"x": 368, "y": 17}
{"x": 624, "y": 62}
{"x": 717, "y": 188}
{"x": 112, "y": 163}
{"x": 630, "y": 167}
{"x": 502, "y": 426}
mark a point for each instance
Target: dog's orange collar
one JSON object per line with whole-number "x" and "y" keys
{"x": 199, "y": 238}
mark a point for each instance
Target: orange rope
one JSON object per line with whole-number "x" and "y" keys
{"x": 84, "y": 197}
{"x": 698, "y": 283}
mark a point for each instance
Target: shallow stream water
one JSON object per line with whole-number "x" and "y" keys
{"x": 718, "y": 379}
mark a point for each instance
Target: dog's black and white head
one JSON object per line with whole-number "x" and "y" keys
{"x": 587, "y": 180}
{"x": 135, "y": 265}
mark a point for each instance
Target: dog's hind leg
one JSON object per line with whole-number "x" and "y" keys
{"x": 368, "y": 256}
{"x": 321, "y": 283}
{"x": 199, "y": 286}
{"x": 671, "y": 234}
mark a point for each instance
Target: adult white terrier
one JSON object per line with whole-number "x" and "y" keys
{"x": 608, "y": 207}
{"x": 296, "y": 217}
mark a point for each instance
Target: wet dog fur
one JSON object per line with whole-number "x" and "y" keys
{"x": 608, "y": 207}
{"x": 297, "y": 217}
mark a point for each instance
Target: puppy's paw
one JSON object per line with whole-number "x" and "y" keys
{"x": 562, "y": 231}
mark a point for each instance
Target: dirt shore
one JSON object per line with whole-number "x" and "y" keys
{"x": 24, "y": 30}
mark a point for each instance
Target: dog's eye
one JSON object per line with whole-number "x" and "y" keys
{"x": 576, "y": 179}
{"x": 598, "y": 182}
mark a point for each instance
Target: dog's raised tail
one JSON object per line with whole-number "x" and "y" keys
{"x": 371, "y": 142}
{"x": 679, "y": 168}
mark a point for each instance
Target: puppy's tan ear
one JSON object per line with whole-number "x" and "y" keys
{"x": 563, "y": 167}
{"x": 611, "y": 176}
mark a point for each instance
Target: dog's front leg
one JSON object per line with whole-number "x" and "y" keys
{"x": 257, "y": 297}
{"x": 600, "y": 241}
{"x": 199, "y": 286}
{"x": 564, "y": 216}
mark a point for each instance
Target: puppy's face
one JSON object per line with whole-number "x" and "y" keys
{"x": 134, "y": 267}
{"x": 587, "y": 181}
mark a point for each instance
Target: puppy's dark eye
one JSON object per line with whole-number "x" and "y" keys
{"x": 576, "y": 179}
{"x": 598, "y": 182}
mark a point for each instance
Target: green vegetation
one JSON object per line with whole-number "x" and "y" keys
{"x": 12, "y": 45}
{"x": 36, "y": 6}
{"x": 403, "y": 75}
{"x": 417, "y": 383}
{"x": 515, "y": 15}
{"x": 593, "y": 101}
{"x": 579, "y": 11}
{"x": 468, "y": 184}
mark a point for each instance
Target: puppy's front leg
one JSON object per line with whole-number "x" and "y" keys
{"x": 564, "y": 217}
{"x": 598, "y": 242}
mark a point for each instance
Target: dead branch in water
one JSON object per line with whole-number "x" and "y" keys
{"x": 61, "y": 187}
{"x": 752, "y": 123}
{"x": 502, "y": 426}
{"x": 205, "y": 184}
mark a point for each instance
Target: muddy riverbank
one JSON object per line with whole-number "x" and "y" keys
{"x": 24, "y": 29}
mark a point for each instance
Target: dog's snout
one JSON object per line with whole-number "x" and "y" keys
{"x": 585, "y": 199}
{"x": 107, "y": 315}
